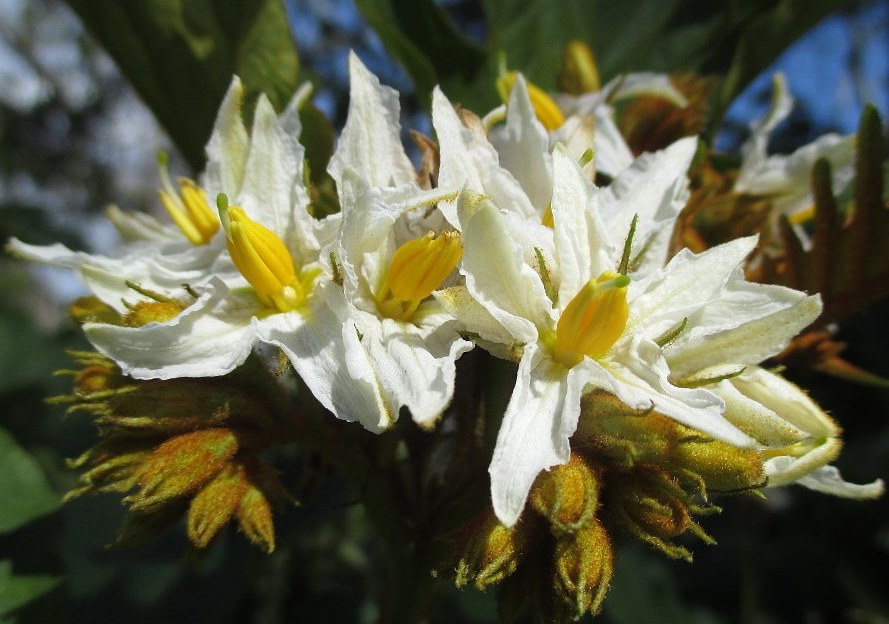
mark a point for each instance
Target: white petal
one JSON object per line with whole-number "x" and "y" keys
{"x": 371, "y": 139}
{"x": 644, "y": 83}
{"x": 475, "y": 318}
{"x": 755, "y": 419}
{"x": 273, "y": 174}
{"x": 689, "y": 282}
{"x": 227, "y": 147}
{"x": 325, "y": 351}
{"x": 540, "y": 418}
{"x": 210, "y": 338}
{"x": 497, "y": 276}
{"x": 415, "y": 368}
{"x": 641, "y": 379}
{"x": 754, "y": 151}
{"x": 611, "y": 153}
{"x": 827, "y": 480}
{"x": 582, "y": 245}
{"x": 751, "y": 342}
{"x": 140, "y": 226}
{"x": 654, "y": 187}
{"x": 470, "y": 161}
{"x": 523, "y": 146}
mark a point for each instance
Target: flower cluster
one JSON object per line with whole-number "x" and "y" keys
{"x": 538, "y": 235}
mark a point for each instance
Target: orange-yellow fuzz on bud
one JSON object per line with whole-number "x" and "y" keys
{"x": 547, "y": 111}
{"x": 584, "y": 563}
{"x": 492, "y": 551}
{"x": 567, "y": 495}
{"x": 579, "y": 73}
{"x": 417, "y": 268}
{"x": 215, "y": 504}
{"x": 593, "y": 320}
{"x": 262, "y": 258}
{"x": 188, "y": 208}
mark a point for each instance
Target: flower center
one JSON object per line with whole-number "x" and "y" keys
{"x": 188, "y": 208}
{"x": 417, "y": 268}
{"x": 548, "y": 112}
{"x": 263, "y": 259}
{"x": 593, "y": 320}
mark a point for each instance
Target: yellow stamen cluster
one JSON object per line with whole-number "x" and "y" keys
{"x": 188, "y": 208}
{"x": 579, "y": 73}
{"x": 593, "y": 320}
{"x": 417, "y": 268}
{"x": 263, "y": 259}
{"x": 548, "y": 112}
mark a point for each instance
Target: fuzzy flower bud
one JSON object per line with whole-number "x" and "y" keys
{"x": 584, "y": 563}
{"x": 567, "y": 495}
{"x": 492, "y": 551}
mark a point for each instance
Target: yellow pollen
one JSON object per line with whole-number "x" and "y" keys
{"x": 548, "y": 112}
{"x": 417, "y": 268}
{"x": 593, "y": 320}
{"x": 188, "y": 208}
{"x": 263, "y": 259}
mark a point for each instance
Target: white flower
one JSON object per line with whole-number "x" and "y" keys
{"x": 795, "y": 436}
{"x": 393, "y": 251}
{"x": 787, "y": 179}
{"x": 161, "y": 257}
{"x": 581, "y": 323}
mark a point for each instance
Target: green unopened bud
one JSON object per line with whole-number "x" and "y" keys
{"x": 610, "y": 428}
{"x": 584, "y": 563}
{"x": 720, "y": 467}
{"x": 648, "y": 503}
{"x": 492, "y": 551}
{"x": 567, "y": 495}
{"x": 183, "y": 464}
{"x": 579, "y": 73}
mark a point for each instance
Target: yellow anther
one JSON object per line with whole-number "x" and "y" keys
{"x": 548, "y": 220}
{"x": 548, "y": 112}
{"x": 417, "y": 268}
{"x": 188, "y": 208}
{"x": 593, "y": 321}
{"x": 803, "y": 216}
{"x": 263, "y": 259}
{"x": 579, "y": 73}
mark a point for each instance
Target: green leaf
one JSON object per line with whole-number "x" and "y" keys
{"x": 23, "y": 489}
{"x": 180, "y": 56}
{"x": 17, "y": 591}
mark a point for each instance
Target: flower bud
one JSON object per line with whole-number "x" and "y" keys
{"x": 181, "y": 465}
{"x": 610, "y": 428}
{"x": 584, "y": 563}
{"x": 567, "y": 495}
{"x": 719, "y": 466}
{"x": 579, "y": 73}
{"x": 215, "y": 504}
{"x": 93, "y": 310}
{"x": 492, "y": 552}
{"x": 648, "y": 503}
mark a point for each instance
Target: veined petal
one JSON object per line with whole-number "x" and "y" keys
{"x": 211, "y": 337}
{"x": 752, "y": 341}
{"x": 655, "y": 188}
{"x": 583, "y": 248}
{"x": 324, "y": 347}
{"x": 642, "y": 380}
{"x": 689, "y": 282}
{"x": 611, "y": 152}
{"x": 754, "y": 151}
{"x": 140, "y": 226}
{"x": 227, "y": 147}
{"x": 470, "y": 161}
{"x": 475, "y": 318}
{"x": 272, "y": 192}
{"x": 540, "y": 418}
{"x": 371, "y": 139}
{"x": 415, "y": 366}
{"x": 498, "y": 277}
{"x": 523, "y": 147}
